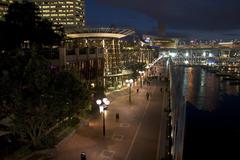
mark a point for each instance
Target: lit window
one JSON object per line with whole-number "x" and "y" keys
{"x": 68, "y": 2}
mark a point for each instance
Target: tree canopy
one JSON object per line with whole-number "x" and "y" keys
{"x": 23, "y": 24}
{"x": 32, "y": 94}
{"x": 136, "y": 67}
{"x": 39, "y": 99}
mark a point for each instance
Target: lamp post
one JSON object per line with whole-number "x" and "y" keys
{"x": 141, "y": 76}
{"x": 147, "y": 68}
{"x": 103, "y": 105}
{"x": 129, "y": 83}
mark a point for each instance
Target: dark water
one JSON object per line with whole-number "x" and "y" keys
{"x": 213, "y": 117}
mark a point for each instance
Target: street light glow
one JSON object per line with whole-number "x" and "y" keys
{"x": 173, "y": 54}
{"x": 99, "y": 101}
{"x": 101, "y": 108}
{"x": 92, "y": 85}
{"x": 107, "y": 102}
{"x": 129, "y": 84}
{"x": 204, "y": 54}
{"x": 104, "y": 100}
{"x": 141, "y": 76}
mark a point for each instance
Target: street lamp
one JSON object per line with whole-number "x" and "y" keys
{"x": 103, "y": 105}
{"x": 141, "y": 76}
{"x": 147, "y": 67}
{"x": 92, "y": 85}
{"x": 129, "y": 83}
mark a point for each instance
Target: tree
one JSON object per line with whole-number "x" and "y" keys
{"x": 11, "y": 77}
{"x": 135, "y": 67}
{"x": 39, "y": 98}
{"x": 23, "y": 24}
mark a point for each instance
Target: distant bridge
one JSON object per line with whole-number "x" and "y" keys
{"x": 201, "y": 56}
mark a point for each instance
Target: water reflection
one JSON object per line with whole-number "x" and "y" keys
{"x": 210, "y": 135}
{"x": 204, "y": 89}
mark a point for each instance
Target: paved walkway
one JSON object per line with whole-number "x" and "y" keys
{"x": 122, "y": 136}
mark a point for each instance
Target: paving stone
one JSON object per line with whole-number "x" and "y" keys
{"x": 117, "y": 137}
{"x": 107, "y": 154}
{"x": 124, "y": 125}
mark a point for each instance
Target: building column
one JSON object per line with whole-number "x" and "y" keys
{"x": 105, "y": 62}
{"x": 119, "y": 53}
{"x": 113, "y": 56}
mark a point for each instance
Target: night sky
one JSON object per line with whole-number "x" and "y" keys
{"x": 204, "y": 19}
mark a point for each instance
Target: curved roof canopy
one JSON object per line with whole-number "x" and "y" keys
{"x": 99, "y": 33}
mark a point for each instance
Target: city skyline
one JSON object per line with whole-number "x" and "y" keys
{"x": 189, "y": 20}
{"x": 105, "y": 91}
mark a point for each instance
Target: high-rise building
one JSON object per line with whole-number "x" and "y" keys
{"x": 69, "y": 13}
{"x": 4, "y": 7}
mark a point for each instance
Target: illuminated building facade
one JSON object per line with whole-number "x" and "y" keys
{"x": 4, "y": 7}
{"x": 95, "y": 53}
{"x": 161, "y": 42}
{"x": 134, "y": 52}
{"x": 69, "y": 13}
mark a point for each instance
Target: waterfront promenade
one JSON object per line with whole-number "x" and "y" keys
{"x": 140, "y": 132}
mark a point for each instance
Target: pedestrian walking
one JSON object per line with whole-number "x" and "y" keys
{"x": 147, "y": 95}
{"x": 117, "y": 116}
